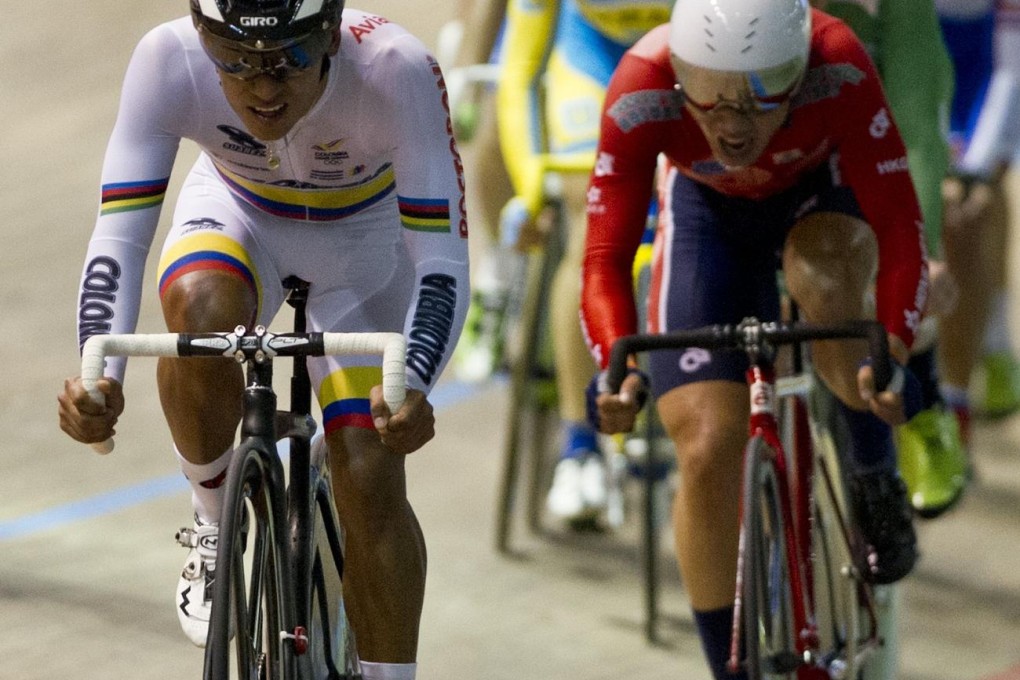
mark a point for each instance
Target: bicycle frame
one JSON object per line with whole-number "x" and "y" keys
{"x": 794, "y": 475}
{"x": 763, "y": 423}
{"x": 292, "y": 507}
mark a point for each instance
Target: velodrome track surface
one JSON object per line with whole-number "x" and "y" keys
{"x": 87, "y": 557}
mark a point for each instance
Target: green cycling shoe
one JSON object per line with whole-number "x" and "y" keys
{"x": 997, "y": 388}
{"x": 933, "y": 461}
{"x": 479, "y": 352}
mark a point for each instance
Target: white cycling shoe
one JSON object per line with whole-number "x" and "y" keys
{"x": 579, "y": 489}
{"x": 194, "y": 589}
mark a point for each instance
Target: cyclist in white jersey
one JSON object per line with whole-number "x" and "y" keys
{"x": 327, "y": 154}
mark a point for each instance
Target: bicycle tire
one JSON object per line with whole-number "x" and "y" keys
{"x": 846, "y": 605}
{"x": 332, "y": 651}
{"x": 767, "y": 602}
{"x": 529, "y": 406}
{"x": 836, "y": 590}
{"x": 249, "y": 579}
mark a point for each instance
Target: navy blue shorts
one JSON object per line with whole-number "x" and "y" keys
{"x": 720, "y": 265}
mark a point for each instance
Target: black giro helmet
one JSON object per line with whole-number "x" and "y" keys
{"x": 257, "y": 22}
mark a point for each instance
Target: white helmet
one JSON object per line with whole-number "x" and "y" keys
{"x": 769, "y": 38}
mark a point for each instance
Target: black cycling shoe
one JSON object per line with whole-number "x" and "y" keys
{"x": 883, "y": 515}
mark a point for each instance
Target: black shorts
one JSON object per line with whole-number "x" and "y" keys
{"x": 719, "y": 262}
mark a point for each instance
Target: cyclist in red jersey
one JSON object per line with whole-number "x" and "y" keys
{"x": 778, "y": 152}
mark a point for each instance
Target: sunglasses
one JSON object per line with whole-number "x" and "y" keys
{"x": 761, "y": 91}
{"x": 747, "y": 102}
{"x": 280, "y": 62}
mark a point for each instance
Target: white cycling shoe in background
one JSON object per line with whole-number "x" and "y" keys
{"x": 194, "y": 589}
{"x": 579, "y": 489}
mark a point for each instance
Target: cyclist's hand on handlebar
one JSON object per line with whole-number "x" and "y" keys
{"x": 613, "y": 413}
{"x": 902, "y": 398}
{"x": 888, "y": 404}
{"x": 410, "y": 428}
{"x": 82, "y": 418}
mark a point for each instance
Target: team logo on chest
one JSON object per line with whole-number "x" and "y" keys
{"x": 328, "y": 157}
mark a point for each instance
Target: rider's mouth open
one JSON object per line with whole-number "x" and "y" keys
{"x": 268, "y": 112}
{"x": 735, "y": 147}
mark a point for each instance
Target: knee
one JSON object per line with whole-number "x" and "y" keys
{"x": 710, "y": 457}
{"x": 709, "y": 441}
{"x": 207, "y": 302}
{"x": 819, "y": 295}
{"x": 829, "y": 263}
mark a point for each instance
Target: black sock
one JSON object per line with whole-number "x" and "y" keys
{"x": 716, "y": 630}
{"x": 870, "y": 438}
{"x": 925, "y": 367}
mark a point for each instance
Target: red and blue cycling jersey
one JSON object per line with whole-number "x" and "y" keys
{"x": 839, "y": 115}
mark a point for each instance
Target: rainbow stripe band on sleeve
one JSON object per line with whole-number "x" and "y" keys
{"x": 344, "y": 394}
{"x": 125, "y": 196}
{"x": 207, "y": 251}
{"x": 425, "y": 214}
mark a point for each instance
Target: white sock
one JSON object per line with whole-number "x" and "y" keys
{"x": 388, "y": 671}
{"x": 206, "y": 485}
{"x": 997, "y": 340}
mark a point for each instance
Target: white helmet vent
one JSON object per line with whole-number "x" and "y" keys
{"x": 740, "y": 35}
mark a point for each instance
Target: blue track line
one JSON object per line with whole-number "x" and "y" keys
{"x": 444, "y": 396}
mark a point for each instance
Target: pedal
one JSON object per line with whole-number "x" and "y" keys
{"x": 187, "y": 538}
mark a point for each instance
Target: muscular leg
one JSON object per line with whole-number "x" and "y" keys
{"x": 830, "y": 261}
{"x": 201, "y": 398}
{"x": 384, "y": 584}
{"x": 707, "y": 422}
{"x": 489, "y": 187}
{"x": 574, "y": 366}
{"x": 579, "y": 488}
{"x": 488, "y": 190}
{"x": 971, "y": 257}
{"x": 999, "y": 228}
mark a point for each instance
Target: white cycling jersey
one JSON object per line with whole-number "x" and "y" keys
{"x": 369, "y": 184}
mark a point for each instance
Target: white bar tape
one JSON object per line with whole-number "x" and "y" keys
{"x": 392, "y": 347}
{"x": 98, "y": 347}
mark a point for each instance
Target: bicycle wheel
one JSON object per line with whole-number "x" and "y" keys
{"x": 531, "y": 404}
{"x": 836, "y": 590}
{"x": 767, "y": 601}
{"x": 844, "y": 604}
{"x": 249, "y": 580}
{"x": 332, "y": 651}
